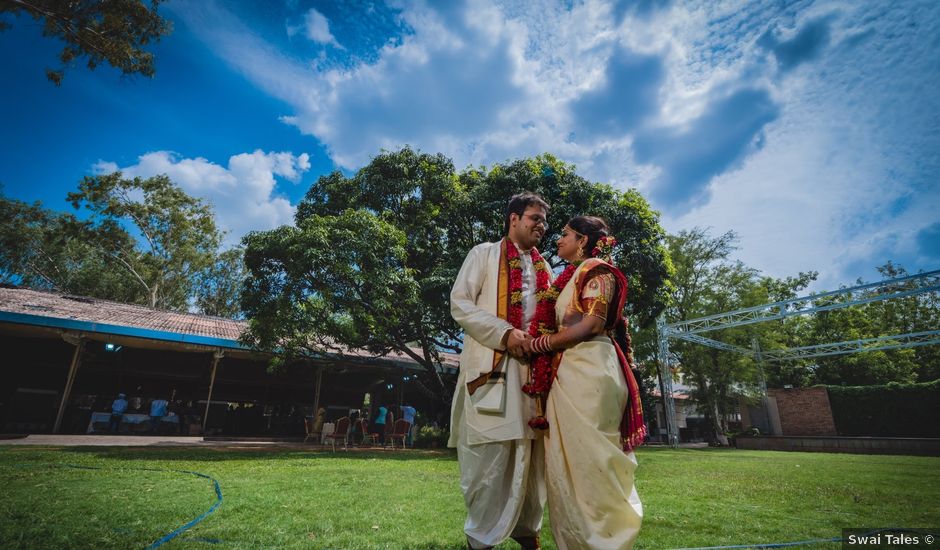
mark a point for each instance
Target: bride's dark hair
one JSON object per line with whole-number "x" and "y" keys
{"x": 591, "y": 227}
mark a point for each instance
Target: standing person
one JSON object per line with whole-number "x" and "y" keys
{"x": 501, "y": 458}
{"x": 379, "y": 424}
{"x": 118, "y": 408}
{"x": 318, "y": 422}
{"x": 408, "y": 415}
{"x": 593, "y": 412}
{"x": 158, "y": 409}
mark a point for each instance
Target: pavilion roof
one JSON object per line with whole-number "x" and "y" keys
{"x": 93, "y": 315}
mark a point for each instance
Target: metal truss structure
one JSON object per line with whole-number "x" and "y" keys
{"x": 691, "y": 330}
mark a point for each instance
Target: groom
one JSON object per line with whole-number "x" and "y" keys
{"x": 501, "y": 458}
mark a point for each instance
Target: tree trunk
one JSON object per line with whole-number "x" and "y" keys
{"x": 154, "y": 295}
{"x": 712, "y": 413}
{"x": 720, "y": 436}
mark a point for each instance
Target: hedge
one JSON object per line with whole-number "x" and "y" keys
{"x": 891, "y": 410}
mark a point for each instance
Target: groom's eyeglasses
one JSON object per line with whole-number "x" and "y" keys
{"x": 537, "y": 220}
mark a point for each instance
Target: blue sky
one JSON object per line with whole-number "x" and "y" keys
{"x": 811, "y": 128}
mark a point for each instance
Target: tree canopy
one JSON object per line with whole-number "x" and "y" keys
{"x": 44, "y": 249}
{"x": 909, "y": 314}
{"x": 112, "y": 31}
{"x": 371, "y": 259}
{"x": 141, "y": 241}
{"x": 178, "y": 235}
{"x": 706, "y": 282}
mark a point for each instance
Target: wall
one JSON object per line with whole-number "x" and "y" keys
{"x": 804, "y": 411}
{"x": 856, "y": 445}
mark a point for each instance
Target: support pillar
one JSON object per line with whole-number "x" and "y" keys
{"x": 768, "y": 404}
{"x": 665, "y": 383}
{"x": 759, "y": 359}
{"x": 316, "y": 398}
{"x": 401, "y": 389}
{"x": 79, "y": 343}
{"x": 216, "y": 357}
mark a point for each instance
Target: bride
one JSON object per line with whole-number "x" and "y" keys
{"x": 593, "y": 413}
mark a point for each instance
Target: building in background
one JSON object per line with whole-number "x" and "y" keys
{"x": 65, "y": 358}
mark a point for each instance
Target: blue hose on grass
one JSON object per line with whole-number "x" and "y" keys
{"x": 218, "y": 493}
{"x": 183, "y": 528}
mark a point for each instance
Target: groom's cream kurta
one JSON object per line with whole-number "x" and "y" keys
{"x": 501, "y": 459}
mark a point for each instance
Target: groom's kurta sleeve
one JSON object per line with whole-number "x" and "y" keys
{"x": 481, "y": 325}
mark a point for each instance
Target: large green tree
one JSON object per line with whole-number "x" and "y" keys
{"x": 44, "y": 249}
{"x": 137, "y": 240}
{"x": 875, "y": 319}
{"x": 218, "y": 287}
{"x": 112, "y": 31}
{"x": 706, "y": 282}
{"x": 178, "y": 238}
{"x": 371, "y": 259}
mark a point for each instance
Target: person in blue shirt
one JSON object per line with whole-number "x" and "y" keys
{"x": 158, "y": 408}
{"x": 118, "y": 408}
{"x": 379, "y": 424}
{"x": 408, "y": 415}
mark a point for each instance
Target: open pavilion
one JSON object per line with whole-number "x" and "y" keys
{"x": 65, "y": 358}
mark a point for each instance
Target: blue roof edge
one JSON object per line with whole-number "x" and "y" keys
{"x": 162, "y": 335}
{"x": 119, "y": 330}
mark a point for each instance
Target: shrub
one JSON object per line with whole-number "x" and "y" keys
{"x": 890, "y": 410}
{"x": 431, "y": 437}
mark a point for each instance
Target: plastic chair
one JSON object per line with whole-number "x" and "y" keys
{"x": 371, "y": 437}
{"x": 340, "y": 431}
{"x": 400, "y": 431}
{"x": 311, "y": 430}
{"x": 389, "y": 427}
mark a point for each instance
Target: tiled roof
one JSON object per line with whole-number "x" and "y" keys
{"x": 94, "y": 310}
{"x": 55, "y": 306}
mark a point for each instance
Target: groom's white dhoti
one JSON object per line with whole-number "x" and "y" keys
{"x": 501, "y": 458}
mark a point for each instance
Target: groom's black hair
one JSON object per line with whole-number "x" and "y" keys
{"x": 519, "y": 202}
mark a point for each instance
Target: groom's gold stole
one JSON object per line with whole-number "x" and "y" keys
{"x": 502, "y": 311}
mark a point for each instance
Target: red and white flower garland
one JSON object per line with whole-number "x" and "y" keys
{"x": 541, "y": 373}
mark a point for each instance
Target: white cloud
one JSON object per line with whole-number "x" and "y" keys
{"x": 103, "y": 167}
{"x": 846, "y": 178}
{"x": 316, "y": 27}
{"x": 242, "y": 193}
{"x": 837, "y": 176}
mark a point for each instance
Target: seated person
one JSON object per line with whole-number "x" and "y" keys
{"x": 158, "y": 409}
{"x": 118, "y": 408}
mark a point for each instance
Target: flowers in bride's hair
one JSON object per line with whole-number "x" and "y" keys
{"x": 604, "y": 247}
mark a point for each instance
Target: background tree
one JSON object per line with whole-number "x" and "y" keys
{"x": 708, "y": 282}
{"x": 372, "y": 258}
{"x": 141, "y": 241}
{"x": 112, "y": 31}
{"x": 642, "y": 254}
{"x": 178, "y": 238}
{"x": 882, "y": 318}
{"x": 43, "y": 249}
{"x": 218, "y": 287}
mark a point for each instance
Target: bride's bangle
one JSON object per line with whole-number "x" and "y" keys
{"x": 542, "y": 344}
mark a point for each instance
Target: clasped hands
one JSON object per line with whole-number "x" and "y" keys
{"x": 519, "y": 343}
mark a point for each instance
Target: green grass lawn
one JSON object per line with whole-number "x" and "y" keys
{"x": 311, "y": 499}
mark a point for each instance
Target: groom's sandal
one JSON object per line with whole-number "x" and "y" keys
{"x": 528, "y": 543}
